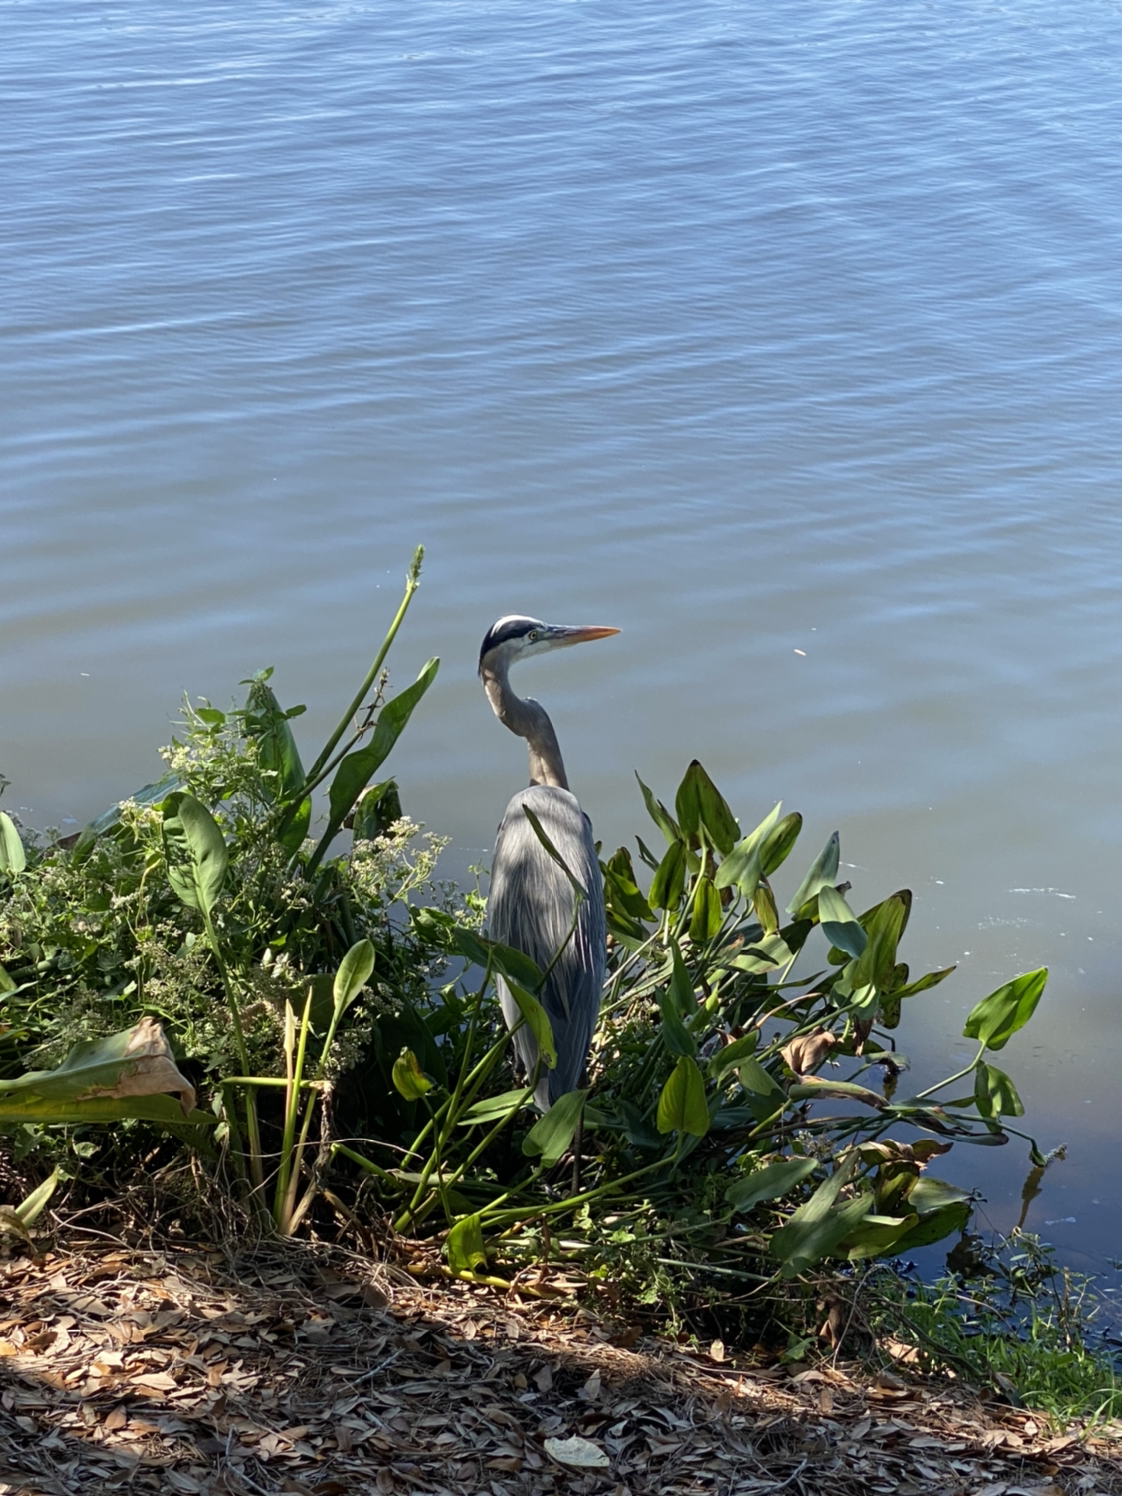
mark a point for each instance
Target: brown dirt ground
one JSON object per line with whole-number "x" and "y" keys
{"x": 187, "y": 1371}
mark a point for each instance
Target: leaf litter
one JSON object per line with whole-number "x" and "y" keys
{"x": 311, "y": 1372}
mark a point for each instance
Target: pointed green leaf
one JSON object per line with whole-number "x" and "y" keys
{"x": 669, "y": 881}
{"x": 552, "y": 1133}
{"x": 819, "y": 1224}
{"x": 932, "y": 979}
{"x": 839, "y": 924}
{"x": 995, "y": 1095}
{"x": 378, "y": 808}
{"x": 537, "y": 1021}
{"x": 705, "y": 919}
{"x": 875, "y": 1236}
{"x": 822, "y": 874}
{"x": 682, "y": 1106}
{"x": 763, "y": 902}
{"x": 494, "y": 1107}
{"x": 742, "y": 865}
{"x": 277, "y": 752}
{"x": 932, "y": 1227}
{"x": 732, "y": 1054}
{"x": 195, "y": 850}
{"x": 32, "y": 1206}
{"x": 13, "y": 858}
{"x": 408, "y": 1077}
{"x": 771, "y": 1182}
{"x": 463, "y": 1246}
{"x": 998, "y": 1017}
{"x": 353, "y": 975}
{"x": 699, "y": 804}
{"x": 777, "y": 845}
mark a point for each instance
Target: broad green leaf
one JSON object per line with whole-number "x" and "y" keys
{"x": 700, "y": 804}
{"x": 875, "y": 1236}
{"x": 463, "y": 1246}
{"x": 277, "y": 752}
{"x": 494, "y": 1107}
{"x": 195, "y": 850}
{"x": 998, "y": 1017}
{"x": 135, "y": 1062}
{"x": 13, "y": 858}
{"x": 931, "y": 1194}
{"x": 760, "y": 1084}
{"x": 995, "y": 1094}
{"x": 742, "y": 865}
{"x": 818, "y": 1225}
{"x": 883, "y": 924}
{"x": 932, "y": 1227}
{"x": 552, "y": 1133}
{"x": 777, "y": 845}
{"x": 659, "y": 814}
{"x": 771, "y": 1182}
{"x": 763, "y": 902}
{"x": 358, "y": 768}
{"x": 353, "y": 974}
{"x": 682, "y": 1106}
{"x": 28, "y": 1106}
{"x": 536, "y": 1020}
{"x": 669, "y": 881}
{"x": 733, "y": 1054}
{"x": 705, "y": 919}
{"x": 7, "y": 983}
{"x": 839, "y": 924}
{"x": 822, "y": 874}
{"x": 513, "y": 964}
{"x": 622, "y": 888}
{"x": 408, "y": 1077}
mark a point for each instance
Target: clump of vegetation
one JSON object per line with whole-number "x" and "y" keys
{"x": 334, "y": 1006}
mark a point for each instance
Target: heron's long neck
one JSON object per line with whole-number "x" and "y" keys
{"x": 530, "y": 720}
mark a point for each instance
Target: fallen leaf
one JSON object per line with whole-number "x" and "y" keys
{"x": 580, "y": 1453}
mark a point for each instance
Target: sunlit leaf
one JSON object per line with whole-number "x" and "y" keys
{"x": 699, "y": 803}
{"x": 536, "y": 1020}
{"x": 995, "y": 1094}
{"x": 839, "y": 924}
{"x": 137, "y": 1062}
{"x": 195, "y": 850}
{"x": 732, "y": 1054}
{"x": 777, "y": 845}
{"x": 408, "y": 1077}
{"x": 494, "y": 1107}
{"x": 682, "y": 1106}
{"x": 742, "y": 865}
{"x": 931, "y": 1227}
{"x": 463, "y": 1246}
{"x": 998, "y": 1017}
{"x": 705, "y": 919}
{"x": 552, "y": 1133}
{"x": 669, "y": 881}
{"x": 875, "y": 1236}
{"x": 13, "y": 858}
{"x": 771, "y": 1182}
{"x": 823, "y": 874}
{"x": 763, "y": 902}
{"x": 818, "y": 1225}
{"x": 352, "y": 975}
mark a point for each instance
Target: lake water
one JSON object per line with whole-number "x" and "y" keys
{"x": 786, "y": 339}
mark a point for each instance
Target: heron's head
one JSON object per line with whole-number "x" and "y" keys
{"x": 517, "y": 638}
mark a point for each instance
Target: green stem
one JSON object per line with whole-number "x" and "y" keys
{"x": 256, "y": 1164}
{"x": 950, "y": 1080}
{"x": 412, "y": 581}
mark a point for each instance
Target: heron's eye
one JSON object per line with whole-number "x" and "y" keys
{"x": 531, "y": 636}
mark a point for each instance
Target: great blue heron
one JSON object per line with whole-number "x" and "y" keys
{"x": 531, "y": 901}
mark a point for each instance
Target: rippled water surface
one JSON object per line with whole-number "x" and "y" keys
{"x": 784, "y": 338}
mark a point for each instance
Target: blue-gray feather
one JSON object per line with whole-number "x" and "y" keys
{"x": 531, "y": 907}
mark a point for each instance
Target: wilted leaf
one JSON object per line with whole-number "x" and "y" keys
{"x": 135, "y": 1062}
{"x": 804, "y": 1055}
{"x": 578, "y": 1453}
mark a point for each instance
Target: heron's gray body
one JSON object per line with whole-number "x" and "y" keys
{"x": 532, "y": 902}
{"x": 531, "y": 908}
